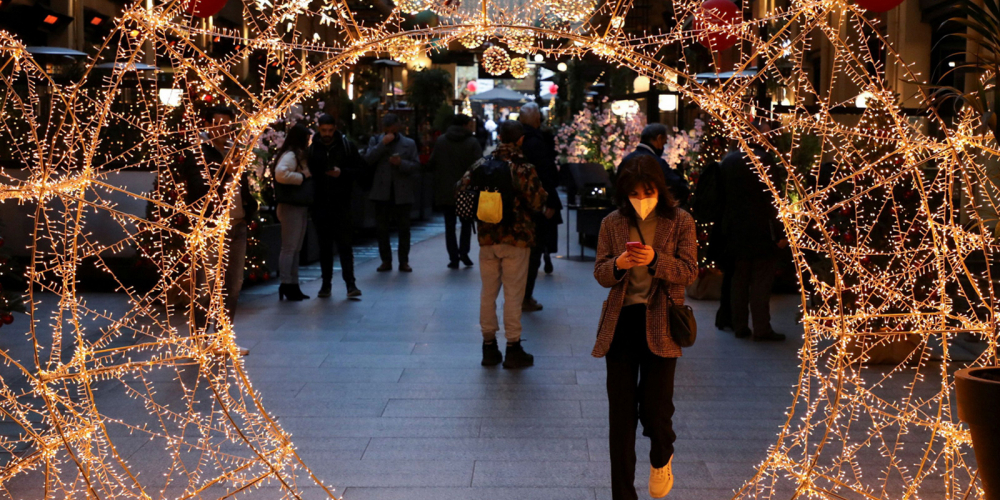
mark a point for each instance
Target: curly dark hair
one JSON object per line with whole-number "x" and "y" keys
{"x": 643, "y": 171}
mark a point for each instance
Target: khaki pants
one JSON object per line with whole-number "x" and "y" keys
{"x": 507, "y": 266}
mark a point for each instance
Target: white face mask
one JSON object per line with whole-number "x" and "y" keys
{"x": 643, "y": 207}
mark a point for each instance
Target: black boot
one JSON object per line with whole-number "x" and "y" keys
{"x": 491, "y": 354}
{"x": 291, "y": 292}
{"x": 325, "y": 290}
{"x": 516, "y": 357}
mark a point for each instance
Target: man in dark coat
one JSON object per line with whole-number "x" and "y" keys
{"x": 394, "y": 158}
{"x": 454, "y": 152}
{"x": 539, "y": 149}
{"x": 752, "y": 237}
{"x": 651, "y": 143}
{"x": 334, "y": 162}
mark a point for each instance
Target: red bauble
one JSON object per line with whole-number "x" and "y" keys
{"x": 879, "y": 5}
{"x": 471, "y": 87}
{"x": 7, "y": 318}
{"x": 267, "y": 276}
{"x": 845, "y": 211}
{"x": 253, "y": 276}
{"x": 722, "y": 15}
{"x": 205, "y": 8}
{"x": 252, "y": 226}
{"x": 553, "y": 89}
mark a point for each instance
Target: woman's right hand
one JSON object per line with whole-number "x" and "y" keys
{"x": 624, "y": 261}
{"x": 306, "y": 173}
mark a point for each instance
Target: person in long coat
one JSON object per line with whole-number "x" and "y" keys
{"x": 454, "y": 152}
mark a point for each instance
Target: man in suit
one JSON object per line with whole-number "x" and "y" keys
{"x": 394, "y": 158}
{"x": 651, "y": 143}
{"x": 333, "y": 162}
{"x": 752, "y": 237}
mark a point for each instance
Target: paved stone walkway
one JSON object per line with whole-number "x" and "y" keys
{"x": 386, "y": 400}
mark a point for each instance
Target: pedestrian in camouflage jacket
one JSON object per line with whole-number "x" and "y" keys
{"x": 503, "y": 252}
{"x": 530, "y": 198}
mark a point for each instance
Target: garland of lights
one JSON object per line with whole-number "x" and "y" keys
{"x": 880, "y": 253}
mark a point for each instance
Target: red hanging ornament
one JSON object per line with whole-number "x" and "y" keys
{"x": 471, "y": 87}
{"x": 7, "y": 318}
{"x": 721, "y": 16}
{"x": 879, "y": 5}
{"x": 205, "y": 8}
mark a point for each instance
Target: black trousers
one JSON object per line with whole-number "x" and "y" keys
{"x": 457, "y": 247}
{"x": 535, "y": 258}
{"x": 724, "y": 316}
{"x": 753, "y": 279}
{"x": 385, "y": 211}
{"x": 534, "y": 262}
{"x": 333, "y": 227}
{"x": 640, "y": 389}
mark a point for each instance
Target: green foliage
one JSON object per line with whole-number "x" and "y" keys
{"x": 443, "y": 117}
{"x": 427, "y": 91}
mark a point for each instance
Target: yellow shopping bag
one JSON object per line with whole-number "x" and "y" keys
{"x": 490, "y": 207}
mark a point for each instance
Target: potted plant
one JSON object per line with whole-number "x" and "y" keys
{"x": 978, "y": 393}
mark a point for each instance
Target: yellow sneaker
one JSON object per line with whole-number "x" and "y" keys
{"x": 661, "y": 480}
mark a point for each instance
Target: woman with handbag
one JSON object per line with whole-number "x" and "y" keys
{"x": 647, "y": 253}
{"x": 293, "y": 191}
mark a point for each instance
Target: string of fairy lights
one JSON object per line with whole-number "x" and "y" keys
{"x": 886, "y": 225}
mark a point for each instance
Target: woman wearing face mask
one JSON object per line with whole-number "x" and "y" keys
{"x": 646, "y": 254}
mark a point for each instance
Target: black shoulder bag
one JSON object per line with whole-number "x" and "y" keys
{"x": 301, "y": 195}
{"x": 683, "y": 327}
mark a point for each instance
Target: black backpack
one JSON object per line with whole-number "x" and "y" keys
{"x": 492, "y": 175}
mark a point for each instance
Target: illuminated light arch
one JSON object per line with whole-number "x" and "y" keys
{"x": 870, "y": 296}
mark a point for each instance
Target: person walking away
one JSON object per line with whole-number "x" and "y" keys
{"x": 292, "y": 170}
{"x": 454, "y": 152}
{"x": 333, "y": 162}
{"x": 707, "y": 206}
{"x": 217, "y": 122}
{"x": 752, "y": 238}
{"x": 647, "y": 252}
{"x": 504, "y": 247}
{"x": 394, "y": 158}
{"x": 540, "y": 151}
{"x": 481, "y": 134}
{"x": 491, "y": 131}
{"x": 651, "y": 143}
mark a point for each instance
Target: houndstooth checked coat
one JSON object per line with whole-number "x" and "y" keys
{"x": 676, "y": 267}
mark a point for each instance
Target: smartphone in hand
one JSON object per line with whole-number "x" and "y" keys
{"x": 634, "y": 245}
